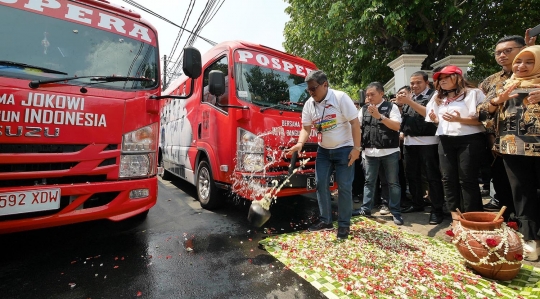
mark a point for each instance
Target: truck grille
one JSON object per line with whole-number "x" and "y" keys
{"x": 46, "y": 148}
{"x": 35, "y": 167}
{"x": 310, "y": 150}
{"x": 48, "y": 164}
{"x": 54, "y": 181}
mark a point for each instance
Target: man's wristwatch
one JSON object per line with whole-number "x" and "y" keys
{"x": 382, "y": 117}
{"x": 358, "y": 148}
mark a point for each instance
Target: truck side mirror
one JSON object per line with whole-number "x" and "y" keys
{"x": 192, "y": 65}
{"x": 361, "y": 97}
{"x": 216, "y": 83}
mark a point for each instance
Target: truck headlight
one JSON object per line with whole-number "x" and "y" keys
{"x": 141, "y": 140}
{"x": 250, "y": 154}
{"x": 138, "y": 158}
{"x": 137, "y": 165}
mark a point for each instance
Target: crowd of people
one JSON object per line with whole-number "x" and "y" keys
{"x": 433, "y": 138}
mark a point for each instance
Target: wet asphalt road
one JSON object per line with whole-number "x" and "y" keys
{"x": 179, "y": 251}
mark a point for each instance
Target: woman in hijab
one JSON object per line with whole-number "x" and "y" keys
{"x": 461, "y": 138}
{"x": 518, "y": 126}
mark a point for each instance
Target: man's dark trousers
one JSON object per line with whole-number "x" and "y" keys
{"x": 427, "y": 157}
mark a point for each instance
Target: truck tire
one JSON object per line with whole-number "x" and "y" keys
{"x": 166, "y": 175}
{"x": 207, "y": 191}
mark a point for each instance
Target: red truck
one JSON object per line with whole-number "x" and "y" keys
{"x": 79, "y": 113}
{"x": 230, "y": 136}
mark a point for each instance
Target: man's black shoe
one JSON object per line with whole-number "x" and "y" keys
{"x": 343, "y": 233}
{"x": 426, "y": 202}
{"x": 321, "y": 226}
{"x": 411, "y": 209}
{"x": 492, "y": 205}
{"x": 435, "y": 218}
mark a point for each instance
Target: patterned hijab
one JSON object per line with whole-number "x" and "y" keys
{"x": 533, "y": 79}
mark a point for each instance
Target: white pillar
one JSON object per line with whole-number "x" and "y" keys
{"x": 461, "y": 61}
{"x": 403, "y": 67}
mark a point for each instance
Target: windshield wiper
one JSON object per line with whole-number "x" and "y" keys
{"x": 36, "y": 83}
{"x": 281, "y": 104}
{"x": 46, "y": 70}
{"x": 273, "y": 106}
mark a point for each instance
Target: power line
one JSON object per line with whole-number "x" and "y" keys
{"x": 210, "y": 10}
{"x": 181, "y": 32}
{"x": 168, "y": 21}
{"x": 214, "y": 13}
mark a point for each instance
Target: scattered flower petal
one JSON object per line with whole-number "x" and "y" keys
{"x": 513, "y": 225}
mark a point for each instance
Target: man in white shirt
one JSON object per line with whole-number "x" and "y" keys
{"x": 333, "y": 114}
{"x": 380, "y": 122}
{"x": 420, "y": 148}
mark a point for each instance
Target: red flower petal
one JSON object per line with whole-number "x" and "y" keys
{"x": 518, "y": 257}
{"x": 513, "y": 225}
{"x": 492, "y": 242}
{"x": 450, "y": 233}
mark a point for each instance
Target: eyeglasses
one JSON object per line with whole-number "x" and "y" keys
{"x": 506, "y": 51}
{"x": 312, "y": 89}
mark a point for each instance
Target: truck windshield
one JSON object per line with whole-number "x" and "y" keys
{"x": 40, "y": 47}
{"x": 268, "y": 87}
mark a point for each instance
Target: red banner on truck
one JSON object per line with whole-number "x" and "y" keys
{"x": 269, "y": 61}
{"x": 86, "y": 15}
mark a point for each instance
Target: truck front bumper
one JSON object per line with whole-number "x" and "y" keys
{"x": 115, "y": 200}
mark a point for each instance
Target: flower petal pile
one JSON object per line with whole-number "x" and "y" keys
{"x": 382, "y": 261}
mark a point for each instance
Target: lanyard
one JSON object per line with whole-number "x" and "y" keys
{"x": 319, "y": 125}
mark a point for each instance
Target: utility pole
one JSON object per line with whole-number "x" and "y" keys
{"x": 164, "y": 72}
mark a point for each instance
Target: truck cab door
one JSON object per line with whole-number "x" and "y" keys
{"x": 210, "y": 112}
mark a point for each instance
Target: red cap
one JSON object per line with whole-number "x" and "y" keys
{"x": 449, "y": 69}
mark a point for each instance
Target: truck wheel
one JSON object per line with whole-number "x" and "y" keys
{"x": 166, "y": 175}
{"x": 206, "y": 188}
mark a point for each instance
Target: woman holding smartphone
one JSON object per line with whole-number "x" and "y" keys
{"x": 461, "y": 138}
{"x": 518, "y": 127}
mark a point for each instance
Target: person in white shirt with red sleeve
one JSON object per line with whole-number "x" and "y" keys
{"x": 333, "y": 115}
{"x": 380, "y": 121}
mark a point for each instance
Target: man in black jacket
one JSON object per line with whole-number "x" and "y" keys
{"x": 420, "y": 148}
{"x": 380, "y": 122}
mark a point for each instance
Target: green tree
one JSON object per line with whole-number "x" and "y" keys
{"x": 354, "y": 40}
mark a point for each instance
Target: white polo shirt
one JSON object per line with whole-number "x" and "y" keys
{"x": 333, "y": 114}
{"x": 466, "y": 108}
{"x": 381, "y": 152}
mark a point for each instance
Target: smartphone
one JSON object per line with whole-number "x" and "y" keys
{"x": 522, "y": 94}
{"x": 535, "y": 31}
{"x": 523, "y": 91}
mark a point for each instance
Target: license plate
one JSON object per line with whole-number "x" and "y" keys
{"x": 29, "y": 201}
{"x": 310, "y": 184}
